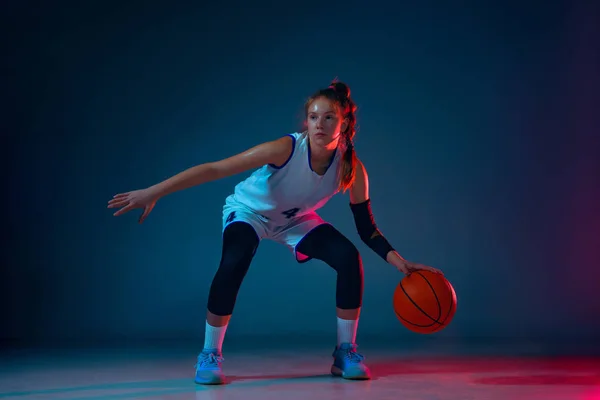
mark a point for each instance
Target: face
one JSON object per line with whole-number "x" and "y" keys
{"x": 325, "y": 122}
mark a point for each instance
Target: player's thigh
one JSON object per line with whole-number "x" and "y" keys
{"x": 296, "y": 231}
{"x": 238, "y": 214}
{"x": 328, "y": 244}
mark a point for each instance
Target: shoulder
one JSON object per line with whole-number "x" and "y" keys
{"x": 361, "y": 171}
{"x": 279, "y": 147}
{"x": 283, "y": 149}
{"x": 289, "y": 141}
{"x": 359, "y": 191}
{"x": 298, "y": 138}
{"x": 361, "y": 177}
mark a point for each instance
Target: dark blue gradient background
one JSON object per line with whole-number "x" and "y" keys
{"x": 478, "y": 125}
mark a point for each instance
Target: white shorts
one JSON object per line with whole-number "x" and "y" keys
{"x": 289, "y": 234}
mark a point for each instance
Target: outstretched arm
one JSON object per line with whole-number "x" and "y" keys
{"x": 274, "y": 152}
{"x": 360, "y": 204}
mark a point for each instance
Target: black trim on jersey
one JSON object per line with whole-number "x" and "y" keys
{"x": 291, "y": 154}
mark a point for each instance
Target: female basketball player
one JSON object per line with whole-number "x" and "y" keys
{"x": 295, "y": 175}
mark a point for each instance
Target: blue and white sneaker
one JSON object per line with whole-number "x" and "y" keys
{"x": 348, "y": 364}
{"x": 208, "y": 368}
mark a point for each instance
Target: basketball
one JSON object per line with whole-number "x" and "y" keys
{"x": 424, "y": 302}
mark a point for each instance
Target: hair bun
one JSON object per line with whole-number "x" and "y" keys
{"x": 341, "y": 89}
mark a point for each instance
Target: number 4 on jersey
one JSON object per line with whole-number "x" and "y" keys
{"x": 291, "y": 213}
{"x": 230, "y": 217}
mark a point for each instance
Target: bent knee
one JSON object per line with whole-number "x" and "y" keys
{"x": 347, "y": 258}
{"x": 350, "y": 254}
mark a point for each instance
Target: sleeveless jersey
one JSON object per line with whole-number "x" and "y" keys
{"x": 291, "y": 190}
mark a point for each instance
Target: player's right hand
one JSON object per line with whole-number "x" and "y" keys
{"x": 143, "y": 198}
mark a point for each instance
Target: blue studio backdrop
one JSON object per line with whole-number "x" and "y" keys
{"x": 477, "y": 124}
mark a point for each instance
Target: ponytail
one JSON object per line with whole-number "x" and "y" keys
{"x": 348, "y": 108}
{"x": 348, "y": 166}
{"x": 339, "y": 93}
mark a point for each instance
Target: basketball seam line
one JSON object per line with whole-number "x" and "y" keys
{"x": 450, "y": 290}
{"x": 439, "y": 306}
{"x": 412, "y": 323}
{"x": 416, "y": 305}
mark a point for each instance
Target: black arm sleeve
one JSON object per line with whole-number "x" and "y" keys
{"x": 367, "y": 229}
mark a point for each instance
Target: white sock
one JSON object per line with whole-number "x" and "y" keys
{"x": 213, "y": 336}
{"x": 346, "y": 330}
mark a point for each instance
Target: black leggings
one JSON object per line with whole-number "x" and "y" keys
{"x": 323, "y": 243}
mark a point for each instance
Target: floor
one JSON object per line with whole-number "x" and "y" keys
{"x": 461, "y": 371}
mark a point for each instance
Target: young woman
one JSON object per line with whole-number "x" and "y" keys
{"x": 294, "y": 176}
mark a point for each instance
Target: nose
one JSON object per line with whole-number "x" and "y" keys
{"x": 319, "y": 122}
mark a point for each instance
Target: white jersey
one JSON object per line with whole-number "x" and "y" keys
{"x": 291, "y": 190}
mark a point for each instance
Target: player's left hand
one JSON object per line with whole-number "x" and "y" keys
{"x": 409, "y": 267}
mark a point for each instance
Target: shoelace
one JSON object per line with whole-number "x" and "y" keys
{"x": 209, "y": 359}
{"x": 351, "y": 355}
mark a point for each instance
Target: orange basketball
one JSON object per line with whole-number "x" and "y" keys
{"x": 424, "y": 302}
